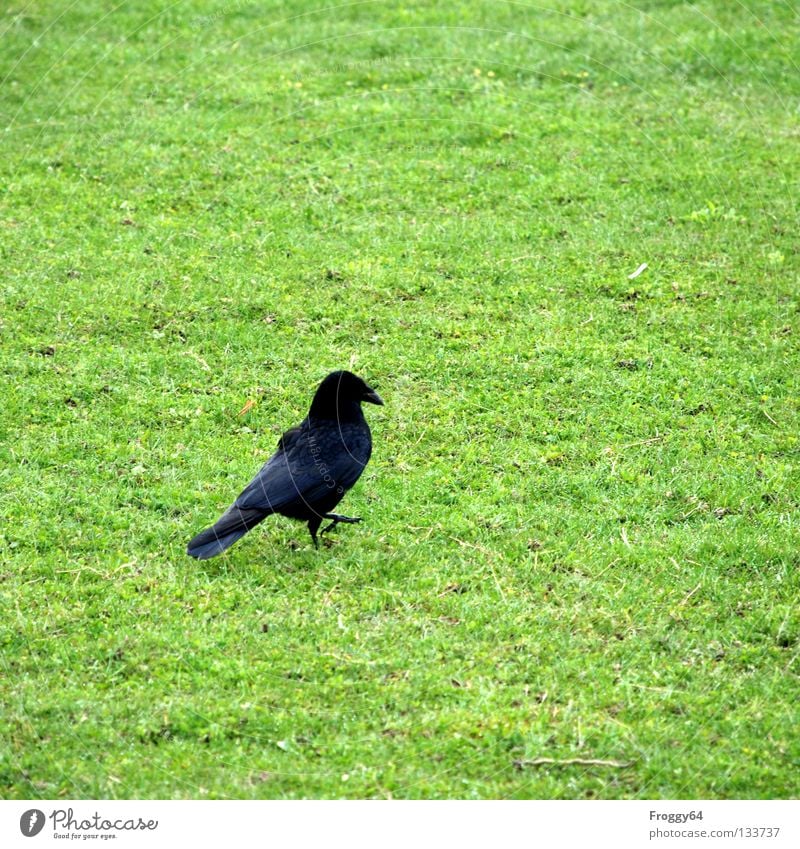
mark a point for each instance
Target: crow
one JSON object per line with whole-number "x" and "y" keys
{"x": 316, "y": 463}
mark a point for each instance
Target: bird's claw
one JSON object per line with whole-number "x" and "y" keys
{"x": 347, "y": 520}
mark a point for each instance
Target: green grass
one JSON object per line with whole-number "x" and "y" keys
{"x": 581, "y": 529}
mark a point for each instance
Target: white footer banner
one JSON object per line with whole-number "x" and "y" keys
{"x": 410, "y": 825}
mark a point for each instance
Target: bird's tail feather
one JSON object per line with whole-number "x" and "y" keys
{"x": 234, "y": 523}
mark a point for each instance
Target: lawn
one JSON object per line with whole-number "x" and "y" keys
{"x": 580, "y": 535}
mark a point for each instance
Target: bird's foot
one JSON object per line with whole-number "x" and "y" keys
{"x": 336, "y": 518}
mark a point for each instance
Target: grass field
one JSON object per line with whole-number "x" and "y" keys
{"x": 581, "y": 532}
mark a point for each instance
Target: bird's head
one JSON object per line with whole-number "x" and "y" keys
{"x": 340, "y": 391}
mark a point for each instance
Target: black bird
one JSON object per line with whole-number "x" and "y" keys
{"x": 316, "y": 463}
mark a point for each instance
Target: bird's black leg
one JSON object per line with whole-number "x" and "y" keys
{"x": 313, "y": 527}
{"x": 348, "y": 520}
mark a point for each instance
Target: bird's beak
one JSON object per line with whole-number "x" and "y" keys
{"x": 372, "y": 397}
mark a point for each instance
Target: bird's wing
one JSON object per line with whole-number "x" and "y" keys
{"x": 290, "y": 437}
{"x": 305, "y": 468}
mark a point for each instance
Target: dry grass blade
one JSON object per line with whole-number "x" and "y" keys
{"x": 572, "y": 762}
